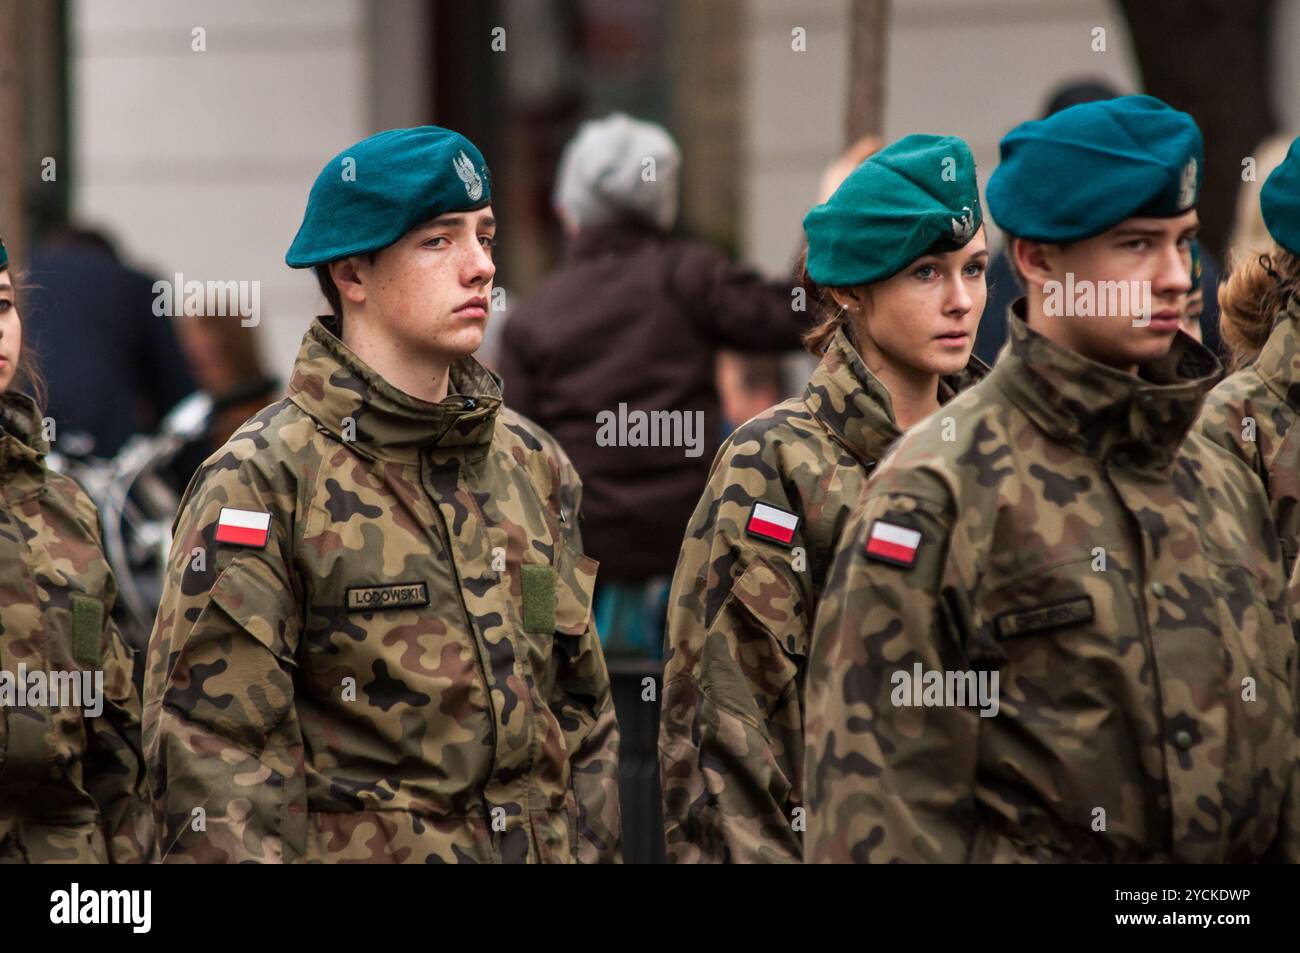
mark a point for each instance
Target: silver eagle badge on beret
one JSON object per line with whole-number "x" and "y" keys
{"x": 464, "y": 167}
{"x": 963, "y": 228}
{"x": 1187, "y": 185}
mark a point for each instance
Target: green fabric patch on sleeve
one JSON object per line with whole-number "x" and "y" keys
{"x": 539, "y": 598}
{"x": 87, "y": 629}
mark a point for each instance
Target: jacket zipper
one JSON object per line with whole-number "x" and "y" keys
{"x": 445, "y": 535}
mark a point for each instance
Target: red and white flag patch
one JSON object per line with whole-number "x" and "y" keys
{"x": 243, "y": 527}
{"x": 892, "y": 543}
{"x": 772, "y": 523}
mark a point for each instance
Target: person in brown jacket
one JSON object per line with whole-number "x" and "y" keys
{"x": 615, "y": 356}
{"x": 615, "y": 353}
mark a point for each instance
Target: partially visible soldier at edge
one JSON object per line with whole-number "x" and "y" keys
{"x": 1254, "y": 412}
{"x": 72, "y": 778}
{"x": 375, "y": 641}
{"x": 1058, "y": 628}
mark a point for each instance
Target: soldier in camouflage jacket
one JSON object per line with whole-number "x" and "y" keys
{"x": 1255, "y": 411}
{"x": 375, "y": 641}
{"x": 761, "y": 539}
{"x": 72, "y": 780}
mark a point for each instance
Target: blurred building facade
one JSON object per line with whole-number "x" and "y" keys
{"x": 199, "y": 160}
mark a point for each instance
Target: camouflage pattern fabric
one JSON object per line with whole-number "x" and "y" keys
{"x": 1254, "y": 414}
{"x": 72, "y": 780}
{"x": 1123, "y": 580}
{"x": 741, "y": 610}
{"x": 407, "y": 670}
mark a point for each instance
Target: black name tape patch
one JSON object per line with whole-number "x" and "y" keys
{"x": 1016, "y": 622}
{"x": 402, "y": 595}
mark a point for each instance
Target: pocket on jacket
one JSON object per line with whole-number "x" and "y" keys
{"x": 239, "y": 695}
{"x": 754, "y": 653}
{"x": 575, "y": 584}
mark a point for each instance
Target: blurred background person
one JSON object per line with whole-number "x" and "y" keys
{"x": 634, "y": 316}
{"x": 113, "y": 368}
{"x": 226, "y": 362}
{"x": 632, "y": 321}
{"x": 748, "y": 384}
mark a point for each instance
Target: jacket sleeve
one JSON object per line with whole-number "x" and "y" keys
{"x": 888, "y": 781}
{"x": 1223, "y": 421}
{"x": 222, "y": 742}
{"x": 735, "y": 307}
{"x": 114, "y": 766}
{"x": 1235, "y": 422}
{"x": 115, "y": 775}
{"x": 581, "y": 700}
{"x": 730, "y": 733}
{"x": 1286, "y": 847}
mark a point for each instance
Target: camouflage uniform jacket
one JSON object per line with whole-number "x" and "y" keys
{"x": 1254, "y": 414}
{"x": 1122, "y": 579}
{"x": 406, "y": 670}
{"x": 741, "y": 609}
{"x": 72, "y": 780}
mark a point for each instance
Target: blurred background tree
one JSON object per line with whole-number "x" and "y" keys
{"x": 1211, "y": 58}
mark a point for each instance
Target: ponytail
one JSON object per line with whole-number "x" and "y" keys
{"x": 1259, "y": 288}
{"x": 829, "y": 316}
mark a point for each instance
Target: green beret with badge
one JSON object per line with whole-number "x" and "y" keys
{"x": 916, "y": 196}
{"x": 374, "y": 192}
{"x": 1279, "y": 201}
{"x": 1085, "y": 169}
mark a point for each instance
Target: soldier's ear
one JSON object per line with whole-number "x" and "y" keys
{"x": 1035, "y": 262}
{"x": 850, "y": 299}
{"x": 346, "y": 273}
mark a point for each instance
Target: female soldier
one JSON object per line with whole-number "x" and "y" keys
{"x": 895, "y": 265}
{"x": 1254, "y": 412}
{"x": 71, "y": 778}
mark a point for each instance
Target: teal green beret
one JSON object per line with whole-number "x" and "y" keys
{"x": 1085, "y": 169}
{"x": 914, "y": 197}
{"x": 4, "y": 255}
{"x": 373, "y": 193}
{"x": 1279, "y": 201}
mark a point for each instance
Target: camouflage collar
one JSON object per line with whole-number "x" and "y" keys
{"x": 854, "y": 405}
{"x": 349, "y": 399}
{"x": 1278, "y": 363}
{"x": 1100, "y": 411}
{"x": 22, "y": 442}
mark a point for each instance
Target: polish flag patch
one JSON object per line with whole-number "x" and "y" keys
{"x": 772, "y": 523}
{"x": 892, "y": 543}
{"x": 243, "y": 527}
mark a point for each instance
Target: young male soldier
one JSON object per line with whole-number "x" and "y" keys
{"x": 1057, "y": 628}
{"x": 375, "y": 640}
